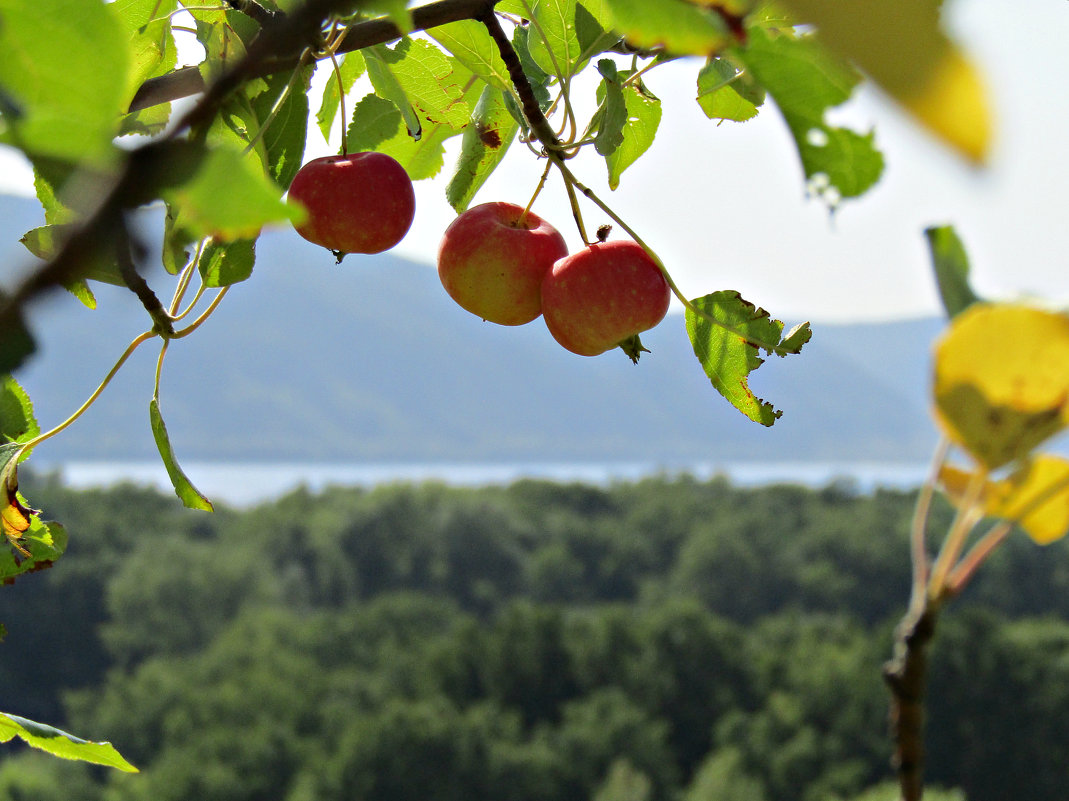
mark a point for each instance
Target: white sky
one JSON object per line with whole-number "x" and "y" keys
{"x": 725, "y": 207}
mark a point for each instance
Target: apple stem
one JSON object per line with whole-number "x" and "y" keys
{"x": 522, "y": 221}
{"x": 334, "y": 40}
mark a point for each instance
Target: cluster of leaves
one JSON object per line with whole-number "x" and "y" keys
{"x": 527, "y": 642}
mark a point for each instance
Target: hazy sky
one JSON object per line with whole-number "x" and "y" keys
{"x": 725, "y": 205}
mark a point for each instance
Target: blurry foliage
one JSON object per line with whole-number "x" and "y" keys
{"x": 667, "y": 640}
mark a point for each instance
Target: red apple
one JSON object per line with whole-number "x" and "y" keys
{"x": 492, "y": 260}
{"x": 359, "y": 203}
{"x": 604, "y": 296}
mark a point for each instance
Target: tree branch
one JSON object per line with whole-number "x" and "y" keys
{"x": 187, "y": 81}
{"x": 906, "y": 676}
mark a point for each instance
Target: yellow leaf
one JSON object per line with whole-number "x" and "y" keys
{"x": 901, "y": 46}
{"x": 1037, "y": 498}
{"x": 15, "y": 520}
{"x": 1001, "y": 380}
{"x": 955, "y": 482}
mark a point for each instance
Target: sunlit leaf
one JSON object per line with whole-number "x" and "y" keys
{"x": 226, "y": 263}
{"x": 729, "y": 348}
{"x": 148, "y": 25}
{"x": 470, "y": 43}
{"x": 553, "y": 40}
{"x": 951, "y": 265}
{"x": 54, "y": 111}
{"x": 17, "y": 420}
{"x": 628, "y": 123}
{"x": 719, "y": 95}
{"x": 484, "y": 144}
{"x": 228, "y": 197}
{"x": 1035, "y": 496}
{"x": 903, "y": 48}
{"x": 676, "y": 25}
{"x": 349, "y": 69}
{"x": 1001, "y": 380}
{"x": 805, "y": 81}
{"x": 388, "y": 86}
{"x": 60, "y": 744}
{"x": 183, "y": 487}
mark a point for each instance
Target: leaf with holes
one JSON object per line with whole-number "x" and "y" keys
{"x": 728, "y": 334}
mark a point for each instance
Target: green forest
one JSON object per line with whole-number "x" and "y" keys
{"x": 665, "y": 640}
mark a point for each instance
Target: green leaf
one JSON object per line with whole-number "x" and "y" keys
{"x": 593, "y": 28}
{"x": 472, "y": 46}
{"x": 805, "y": 81}
{"x": 45, "y": 242}
{"x": 484, "y": 145}
{"x": 951, "y": 265}
{"x": 17, "y": 421}
{"x": 351, "y": 68}
{"x": 44, "y": 541}
{"x": 282, "y": 144}
{"x": 226, "y": 263}
{"x": 389, "y": 87}
{"x": 223, "y": 34}
{"x": 729, "y": 348}
{"x": 377, "y": 122}
{"x": 643, "y": 115}
{"x": 16, "y": 343}
{"x": 612, "y": 113}
{"x": 536, "y": 76}
{"x": 718, "y": 92}
{"x": 65, "y": 71}
{"x": 184, "y": 489}
{"x": 60, "y": 744}
{"x": 681, "y": 27}
{"x": 148, "y": 25}
{"x": 554, "y": 41}
{"x": 903, "y": 49}
{"x": 228, "y": 197}
{"x": 432, "y": 82}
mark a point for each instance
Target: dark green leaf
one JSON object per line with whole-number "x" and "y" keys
{"x": 46, "y": 241}
{"x": 60, "y": 744}
{"x": 536, "y": 76}
{"x": 483, "y": 146}
{"x": 16, "y": 343}
{"x": 593, "y": 28}
{"x": 183, "y": 488}
{"x": 729, "y": 344}
{"x": 612, "y": 113}
{"x": 951, "y": 265}
{"x": 282, "y": 143}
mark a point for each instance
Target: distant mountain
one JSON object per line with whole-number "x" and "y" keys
{"x": 371, "y": 361}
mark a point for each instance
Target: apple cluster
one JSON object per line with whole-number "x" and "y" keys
{"x": 508, "y": 266}
{"x": 497, "y": 260}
